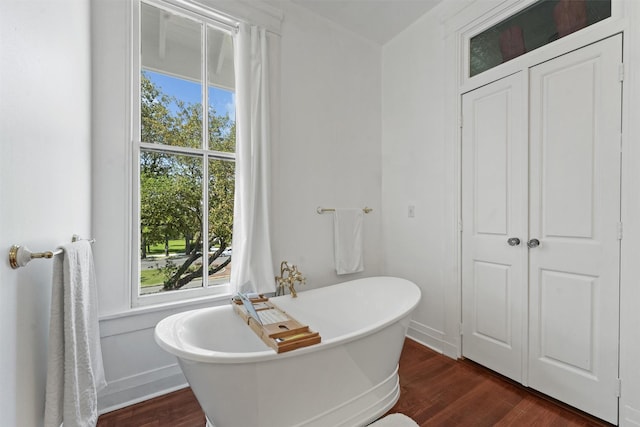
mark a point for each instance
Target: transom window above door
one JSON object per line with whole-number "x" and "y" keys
{"x": 539, "y": 24}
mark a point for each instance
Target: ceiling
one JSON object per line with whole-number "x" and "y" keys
{"x": 376, "y": 20}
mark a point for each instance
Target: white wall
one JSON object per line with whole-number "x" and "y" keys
{"x": 415, "y": 171}
{"x": 326, "y": 151}
{"x": 45, "y": 179}
{"x": 329, "y": 150}
{"x": 630, "y": 267}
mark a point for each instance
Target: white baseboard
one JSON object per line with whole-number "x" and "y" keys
{"x": 431, "y": 338}
{"x": 629, "y": 416}
{"x": 138, "y": 388}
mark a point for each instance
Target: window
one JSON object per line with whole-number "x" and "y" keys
{"x": 541, "y": 23}
{"x": 185, "y": 154}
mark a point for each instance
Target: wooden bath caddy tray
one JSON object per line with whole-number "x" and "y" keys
{"x": 284, "y": 334}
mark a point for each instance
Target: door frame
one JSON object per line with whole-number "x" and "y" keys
{"x": 460, "y": 26}
{"x": 522, "y": 166}
{"x": 461, "y": 21}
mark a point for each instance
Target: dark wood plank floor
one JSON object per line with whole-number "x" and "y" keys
{"x": 435, "y": 391}
{"x": 177, "y": 409}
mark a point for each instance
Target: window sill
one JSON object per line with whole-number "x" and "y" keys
{"x": 146, "y": 317}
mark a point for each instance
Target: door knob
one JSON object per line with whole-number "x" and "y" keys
{"x": 533, "y": 243}
{"x": 513, "y": 241}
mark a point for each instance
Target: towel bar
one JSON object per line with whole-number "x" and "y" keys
{"x": 19, "y": 256}
{"x": 322, "y": 210}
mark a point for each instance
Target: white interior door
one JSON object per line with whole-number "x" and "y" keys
{"x": 494, "y": 210}
{"x": 545, "y": 312}
{"x": 575, "y": 115}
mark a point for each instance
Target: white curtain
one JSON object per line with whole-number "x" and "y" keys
{"x": 252, "y": 260}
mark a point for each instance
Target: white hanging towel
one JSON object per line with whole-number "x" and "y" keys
{"x": 75, "y": 372}
{"x": 348, "y": 249}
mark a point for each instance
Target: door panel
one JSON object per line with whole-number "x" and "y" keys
{"x": 575, "y": 110}
{"x": 491, "y": 311}
{"x": 566, "y": 336}
{"x": 494, "y": 209}
{"x": 568, "y": 112}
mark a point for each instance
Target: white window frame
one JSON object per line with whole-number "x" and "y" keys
{"x": 480, "y": 17}
{"x": 206, "y": 18}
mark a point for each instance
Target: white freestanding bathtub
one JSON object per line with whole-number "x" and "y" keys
{"x": 349, "y": 379}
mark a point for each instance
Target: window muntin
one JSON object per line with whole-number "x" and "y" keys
{"x": 182, "y": 214}
{"x": 541, "y": 23}
{"x": 221, "y": 89}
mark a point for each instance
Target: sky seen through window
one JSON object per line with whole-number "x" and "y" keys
{"x": 223, "y": 101}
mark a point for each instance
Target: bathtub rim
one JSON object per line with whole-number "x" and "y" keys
{"x": 162, "y": 335}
